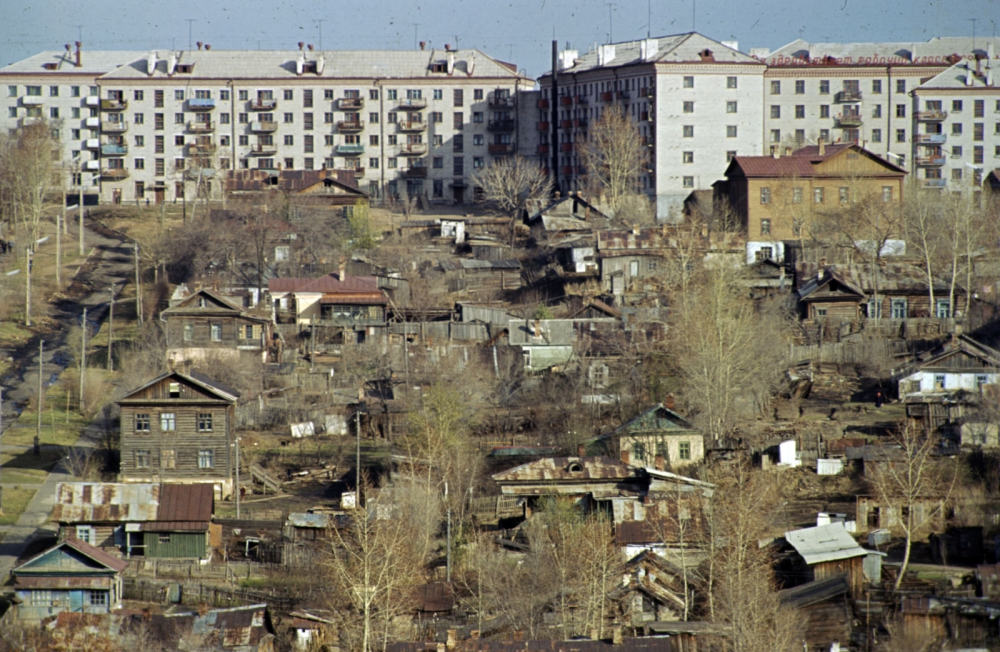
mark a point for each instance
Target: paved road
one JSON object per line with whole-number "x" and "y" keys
{"x": 109, "y": 261}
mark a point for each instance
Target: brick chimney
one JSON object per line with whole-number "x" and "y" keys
{"x": 78, "y": 63}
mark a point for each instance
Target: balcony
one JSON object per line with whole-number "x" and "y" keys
{"x": 648, "y": 92}
{"x": 350, "y": 126}
{"x": 114, "y": 174}
{"x": 565, "y": 147}
{"x": 930, "y": 161}
{"x": 418, "y": 172}
{"x": 506, "y": 124}
{"x": 114, "y": 149}
{"x": 32, "y": 100}
{"x": 412, "y": 125}
{"x": 848, "y": 120}
{"x": 933, "y": 183}
{"x": 349, "y": 150}
{"x": 350, "y": 103}
{"x": 500, "y": 100}
{"x": 501, "y": 149}
{"x": 543, "y": 104}
{"x": 200, "y": 104}
{"x": 29, "y": 120}
{"x": 202, "y": 149}
{"x": 607, "y": 96}
{"x": 566, "y": 170}
{"x": 582, "y": 100}
{"x": 543, "y": 149}
{"x": 847, "y": 95}
{"x": 114, "y": 104}
{"x": 624, "y": 95}
{"x": 92, "y": 143}
{"x": 114, "y": 127}
{"x": 198, "y": 127}
{"x": 358, "y": 172}
{"x": 565, "y": 124}
{"x": 263, "y": 127}
{"x": 92, "y": 166}
{"x": 92, "y": 123}
{"x": 92, "y": 101}
{"x": 412, "y": 104}
{"x": 565, "y": 100}
{"x": 931, "y": 116}
{"x": 543, "y": 126}
{"x": 263, "y": 104}
{"x": 931, "y": 139}
{"x": 263, "y": 150}
{"x": 580, "y": 123}
{"x": 413, "y": 149}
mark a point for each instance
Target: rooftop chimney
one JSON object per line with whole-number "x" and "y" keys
{"x": 301, "y": 44}
{"x": 423, "y": 44}
{"x": 78, "y": 44}
{"x": 208, "y": 46}
{"x": 151, "y": 63}
{"x": 198, "y": 43}
{"x": 822, "y": 147}
{"x": 310, "y": 47}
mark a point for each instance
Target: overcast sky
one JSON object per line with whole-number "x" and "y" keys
{"x": 520, "y": 31}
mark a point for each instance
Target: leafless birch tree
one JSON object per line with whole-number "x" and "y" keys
{"x": 614, "y": 156}
{"x": 513, "y": 183}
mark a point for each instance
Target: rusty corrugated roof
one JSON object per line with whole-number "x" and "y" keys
{"x": 185, "y": 502}
{"x": 558, "y": 469}
{"x": 99, "y": 502}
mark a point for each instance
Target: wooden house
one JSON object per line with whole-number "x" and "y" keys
{"x": 352, "y": 309}
{"x": 631, "y": 259}
{"x": 652, "y": 589}
{"x": 139, "y": 519}
{"x": 825, "y": 609}
{"x": 305, "y": 188}
{"x": 657, "y": 437}
{"x": 830, "y": 551}
{"x": 873, "y": 514}
{"x": 245, "y": 628}
{"x": 206, "y": 324}
{"x": 70, "y": 576}
{"x": 961, "y": 363}
{"x": 179, "y": 428}
{"x": 829, "y": 296}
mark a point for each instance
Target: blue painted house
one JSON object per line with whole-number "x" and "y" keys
{"x": 70, "y": 576}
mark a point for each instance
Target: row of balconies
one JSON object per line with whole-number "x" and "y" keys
{"x": 847, "y": 95}
{"x": 931, "y": 116}
{"x": 931, "y": 139}
{"x": 935, "y": 160}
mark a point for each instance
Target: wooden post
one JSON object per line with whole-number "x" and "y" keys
{"x": 79, "y": 205}
{"x": 60, "y": 219}
{"x": 138, "y": 283}
{"x": 41, "y": 398}
{"x": 27, "y": 287}
{"x": 83, "y": 355}
{"x": 111, "y": 323}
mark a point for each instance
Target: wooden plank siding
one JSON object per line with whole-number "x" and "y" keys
{"x": 233, "y": 331}
{"x": 175, "y": 544}
{"x": 853, "y": 568}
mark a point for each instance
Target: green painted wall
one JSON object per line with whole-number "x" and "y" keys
{"x": 180, "y": 544}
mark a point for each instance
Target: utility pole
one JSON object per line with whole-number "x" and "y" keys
{"x": 27, "y": 286}
{"x": 60, "y": 221}
{"x": 79, "y": 200}
{"x": 111, "y": 323}
{"x": 237, "y": 489}
{"x": 357, "y": 460}
{"x": 41, "y": 398}
{"x": 83, "y": 355}
{"x": 448, "y": 553}
{"x": 138, "y": 284}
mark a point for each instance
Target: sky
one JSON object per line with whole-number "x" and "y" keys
{"x": 518, "y": 31}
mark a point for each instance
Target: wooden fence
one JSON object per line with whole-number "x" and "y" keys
{"x": 192, "y": 593}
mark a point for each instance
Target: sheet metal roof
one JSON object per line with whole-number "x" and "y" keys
{"x": 94, "y": 502}
{"x": 824, "y": 543}
{"x": 933, "y": 51}
{"x": 96, "y": 554}
{"x": 561, "y": 469}
{"x": 185, "y": 502}
{"x": 326, "y": 284}
{"x": 92, "y": 62}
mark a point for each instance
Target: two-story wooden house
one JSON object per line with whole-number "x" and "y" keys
{"x": 655, "y": 437}
{"x": 179, "y": 428}
{"x": 206, "y": 324}
{"x": 352, "y": 306}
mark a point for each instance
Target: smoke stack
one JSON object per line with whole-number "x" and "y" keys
{"x": 78, "y": 44}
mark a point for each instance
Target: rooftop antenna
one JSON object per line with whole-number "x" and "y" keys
{"x": 320, "y": 22}
{"x": 694, "y": 12}
{"x": 79, "y": 33}
{"x": 649, "y": 17}
{"x": 611, "y": 30}
{"x": 973, "y": 37}
{"x": 415, "y": 27}
{"x": 190, "y": 21}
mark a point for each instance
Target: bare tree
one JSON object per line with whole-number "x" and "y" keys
{"x": 513, "y": 183}
{"x": 915, "y": 483}
{"x": 28, "y": 165}
{"x": 614, "y": 156}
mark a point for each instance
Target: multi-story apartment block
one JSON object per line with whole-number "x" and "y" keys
{"x": 876, "y": 94}
{"x": 696, "y": 102}
{"x": 165, "y": 127}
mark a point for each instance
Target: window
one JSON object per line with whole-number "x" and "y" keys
{"x": 248, "y": 328}
{"x": 390, "y": 163}
{"x": 205, "y": 418}
{"x": 372, "y": 93}
{"x": 373, "y": 118}
{"x": 765, "y": 227}
{"x": 897, "y": 307}
{"x": 54, "y": 113}
{"x": 168, "y": 422}
{"x": 977, "y": 157}
{"x": 205, "y": 459}
{"x": 900, "y": 110}
{"x": 287, "y": 118}
{"x": 977, "y": 131}
{"x": 687, "y": 157}
{"x": 477, "y": 117}
{"x": 373, "y": 140}
{"x": 168, "y": 458}
{"x": 85, "y": 533}
{"x": 289, "y": 139}
{"x": 731, "y": 106}
{"x": 796, "y": 226}
{"x": 800, "y": 111}
{"x": 458, "y": 143}
{"x": 307, "y": 120}
{"x": 688, "y": 107}
{"x": 328, "y": 117}
{"x": 638, "y": 452}
{"x": 684, "y": 450}
{"x": 34, "y": 91}
{"x": 730, "y": 131}
{"x": 688, "y": 182}
{"x": 98, "y": 598}
{"x": 876, "y": 135}
{"x": 877, "y": 111}
{"x": 900, "y": 85}
{"x": 307, "y": 98}
{"x": 688, "y": 131}
{"x": 139, "y": 164}
{"x": 477, "y": 139}
{"x": 956, "y": 129}
{"x": 216, "y": 332}
{"x": 731, "y": 82}
{"x": 775, "y": 87}
{"x": 765, "y": 195}
{"x": 289, "y": 94}
{"x": 775, "y": 110}
{"x": 438, "y": 94}
{"x": 901, "y": 136}
{"x": 824, "y": 87}
{"x": 477, "y": 162}
{"x": 797, "y": 195}
{"x": 688, "y": 81}
{"x": 458, "y": 166}
{"x": 956, "y": 106}
{"x": 800, "y": 86}
{"x": 458, "y": 98}
{"x": 942, "y": 308}
{"x": 817, "y": 195}
{"x": 842, "y": 194}
{"x": 163, "y": 537}
{"x": 775, "y": 135}
{"x": 886, "y": 193}
{"x": 179, "y": 94}
{"x": 142, "y": 422}
{"x": 142, "y": 459}
{"x": 876, "y": 86}
{"x": 390, "y": 139}
{"x": 477, "y": 94}
{"x": 307, "y": 143}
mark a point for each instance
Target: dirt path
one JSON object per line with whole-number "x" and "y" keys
{"x": 109, "y": 261}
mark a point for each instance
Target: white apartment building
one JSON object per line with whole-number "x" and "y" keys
{"x": 696, "y": 101}
{"x": 874, "y": 93}
{"x": 162, "y": 125}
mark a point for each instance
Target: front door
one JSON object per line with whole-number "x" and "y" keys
{"x": 159, "y": 192}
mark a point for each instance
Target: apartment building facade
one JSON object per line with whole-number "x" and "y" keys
{"x": 891, "y": 98}
{"x": 696, "y": 102}
{"x": 158, "y": 127}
